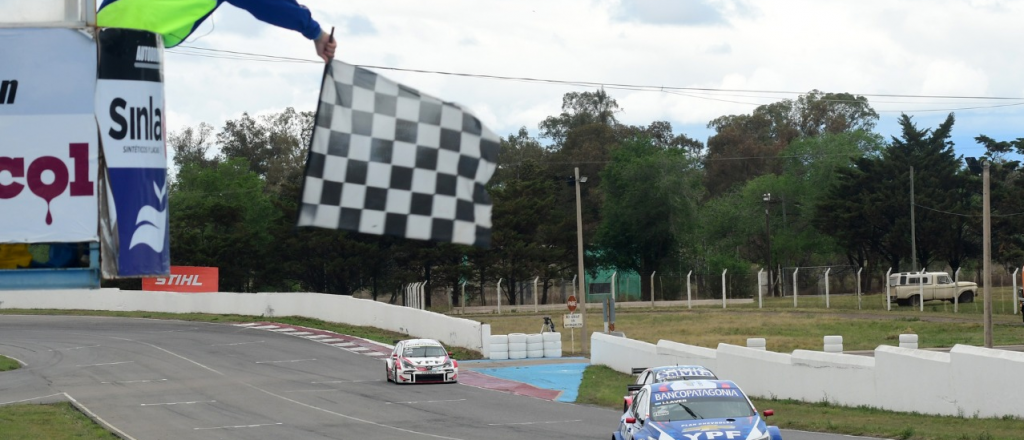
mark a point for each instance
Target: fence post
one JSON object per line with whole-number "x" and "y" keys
{"x": 920, "y": 288}
{"x": 574, "y": 285}
{"x": 652, "y": 288}
{"x": 795, "y": 271}
{"x": 535, "y": 294}
{"x": 1013, "y": 294}
{"x": 463, "y": 297}
{"x": 759, "y": 296}
{"x": 858, "y": 286}
{"x": 723, "y": 286}
{"x": 956, "y": 293}
{"x": 615, "y": 287}
{"x": 499, "y": 294}
{"x": 688, "y": 290}
{"x": 827, "y": 306}
{"x": 423, "y": 295}
{"x": 888, "y": 302}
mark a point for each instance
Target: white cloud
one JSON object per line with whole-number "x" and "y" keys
{"x": 961, "y": 47}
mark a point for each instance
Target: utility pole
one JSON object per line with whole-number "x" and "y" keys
{"x": 582, "y": 300}
{"x": 987, "y": 254}
{"x": 768, "y": 232}
{"x": 913, "y": 225}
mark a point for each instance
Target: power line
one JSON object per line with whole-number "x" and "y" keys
{"x": 249, "y": 56}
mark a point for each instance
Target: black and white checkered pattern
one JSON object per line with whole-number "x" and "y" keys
{"x": 387, "y": 159}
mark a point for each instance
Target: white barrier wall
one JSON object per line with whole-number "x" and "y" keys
{"x": 967, "y": 381}
{"x": 457, "y": 332}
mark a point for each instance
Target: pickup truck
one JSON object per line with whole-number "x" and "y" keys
{"x": 909, "y": 288}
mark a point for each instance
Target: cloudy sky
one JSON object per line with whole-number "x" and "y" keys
{"x": 712, "y": 57}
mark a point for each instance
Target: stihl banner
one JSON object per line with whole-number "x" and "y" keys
{"x": 188, "y": 279}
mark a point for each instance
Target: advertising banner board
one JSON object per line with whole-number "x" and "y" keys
{"x": 130, "y": 112}
{"x": 189, "y": 279}
{"x": 49, "y": 151}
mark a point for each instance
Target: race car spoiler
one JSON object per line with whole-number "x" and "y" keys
{"x": 638, "y": 370}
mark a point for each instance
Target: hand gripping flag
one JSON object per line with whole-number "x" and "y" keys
{"x": 387, "y": 159}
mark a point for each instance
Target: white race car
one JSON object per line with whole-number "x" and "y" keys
{"x": 421, "y": 361}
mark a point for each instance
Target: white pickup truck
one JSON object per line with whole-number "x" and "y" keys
{"x": 909, "y": 288}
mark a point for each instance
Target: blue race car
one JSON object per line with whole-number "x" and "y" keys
{"x": 694, "y": 410}
{"x": 666, "y": 373}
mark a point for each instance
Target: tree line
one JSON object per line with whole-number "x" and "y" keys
{"x": 654, "y": 200}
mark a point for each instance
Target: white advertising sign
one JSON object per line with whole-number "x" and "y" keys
{"x": 49, "y": 148}
{"x": 572, "y": 320}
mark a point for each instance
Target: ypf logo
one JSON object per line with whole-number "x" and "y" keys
{"x": 47, "y": 176}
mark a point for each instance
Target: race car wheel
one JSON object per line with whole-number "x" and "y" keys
{"x": 387, "y": 372}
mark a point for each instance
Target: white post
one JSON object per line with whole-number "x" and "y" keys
{"x": 956, "y": 288}
{"x": 615, "y": 287}
{"x": 888, "y": 302}
{"x": 423, "y": 295}
{"x": 920, "y": 289}
{"x": 759, "y": 299}
{"x": 1014, "y": 293}
{"x": 499, "y": 294}
{"x": 688, "y": 305}
{"x": 574, "y": 285}
{"x": 652, "y": 288}
{"x": 449, "y": 297}
{"x": 794, "y": 285}
{"x": 858, "y": 287}
{"x": 826, "y": 287}
{"x": 90, "y": 12}
{"x": 464, "y": 298}
{"x": 723, "y": 286}
{"x": 535, "y": 293}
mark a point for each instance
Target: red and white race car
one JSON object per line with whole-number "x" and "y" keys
{"x": 421, "y": 361}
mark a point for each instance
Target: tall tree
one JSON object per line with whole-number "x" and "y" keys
{"x": 650, "y": 207}
{"x": 870, "y": 203}
{"x": 746, "y": 146}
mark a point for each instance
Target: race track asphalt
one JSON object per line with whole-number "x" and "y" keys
{"x": 156, "y": 379}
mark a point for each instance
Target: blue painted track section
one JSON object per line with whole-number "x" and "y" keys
{"x": 562, "y": 377}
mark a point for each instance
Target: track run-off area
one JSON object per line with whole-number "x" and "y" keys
{"x": 157, "y": 379}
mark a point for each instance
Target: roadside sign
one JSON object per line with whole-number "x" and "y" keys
{"x": 572, "y": 320}
{"x": 571, "y": 302}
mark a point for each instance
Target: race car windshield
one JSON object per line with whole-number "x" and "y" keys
{"x": 715, "y": 404}
{"x": 425, "y": 351}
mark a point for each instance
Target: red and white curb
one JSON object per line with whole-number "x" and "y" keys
{"x": 378, "y": 350}
{"x": 344, "y": 342}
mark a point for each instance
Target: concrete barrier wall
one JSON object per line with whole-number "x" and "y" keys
{"x": 457, "y": 332}
{"x": 968, "y": 381}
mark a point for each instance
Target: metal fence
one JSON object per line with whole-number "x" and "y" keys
{"x": 841, "y": 287}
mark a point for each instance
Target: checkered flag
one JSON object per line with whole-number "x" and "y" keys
{"x": 387, "y": 159}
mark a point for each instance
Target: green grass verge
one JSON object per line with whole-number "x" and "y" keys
{"x": 371, "y": 333}
{"x": 51, "y": 422}
{"x": 605, "y": 387}
{"x": 8, "y": 364}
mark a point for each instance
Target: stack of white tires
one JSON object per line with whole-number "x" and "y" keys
{"x": 535, "y": 346}
{"x": 523, "y": 346}
{"x": 552, "y": 344}
{"x": 517, "y": 345}
{"x": 498, "y": 348}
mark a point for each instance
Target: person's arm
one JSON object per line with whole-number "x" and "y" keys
{"x": 288, "y": 14}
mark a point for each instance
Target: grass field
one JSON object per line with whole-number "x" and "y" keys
{"x": 786, "y": 328}
{"x": 7, "y": 364}
{"x": 605, "y": 387}
{"x": 51, "y": 422}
